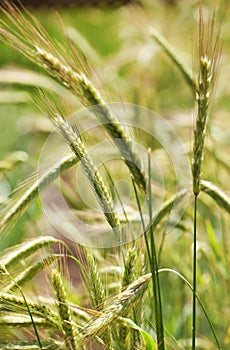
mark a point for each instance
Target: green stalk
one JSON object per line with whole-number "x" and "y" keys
{"x": 142, "y": 222}
{"x": 151, "y": 253}
{"x": 154, "y": 268}
{"x": 194, "y": 276}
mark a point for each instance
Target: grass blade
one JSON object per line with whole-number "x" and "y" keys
{"x": 217, "y": 194}
{"x": 167, "y": 207}
{"x": 149, "y": 341}
{"x": 174, "y": 57}
{"x": 199, "y": 301}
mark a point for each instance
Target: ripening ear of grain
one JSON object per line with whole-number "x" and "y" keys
{"x": 97, "y": 291}
{"x": 95, "y": 285}
{"x": 119, "y": 305}
{"x": 64, "y": 311}
{"x": 28, "y": 274}
{"x": 10, "y": 302}
{"x": 74, "y": 140}
{"x": 209, "y": 54}
{"x": 22, "y": 321}
{"x": 90, "y": 170}
{"x": 17, "y": 258}
{"x": 30, "y": 39}
{"x": 29, "y": 190}
{"x": 21, "y": 251}
{"x": 22, "y": 312}
{"x": 132, "y": 269}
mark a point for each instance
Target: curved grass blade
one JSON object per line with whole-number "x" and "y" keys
{"x": 217, "y": 194}
{"x": 149, "y": 341}
{"x": 167, "y": 207}
{"x": 199, "y": 301}
{"x": 26, "y": 77}
{"x": 174, "y": 57}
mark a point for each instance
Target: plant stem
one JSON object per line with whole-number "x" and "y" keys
{"x": 151, "y": 253}
{"x": 142, "y": 223}
{"x": 194, "y": 277}
{"x": 154, "y": 268}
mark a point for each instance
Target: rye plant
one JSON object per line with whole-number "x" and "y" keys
{"x": 126, "y": 296}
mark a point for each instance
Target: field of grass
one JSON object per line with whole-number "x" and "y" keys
{"x": 119, "y": 238}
